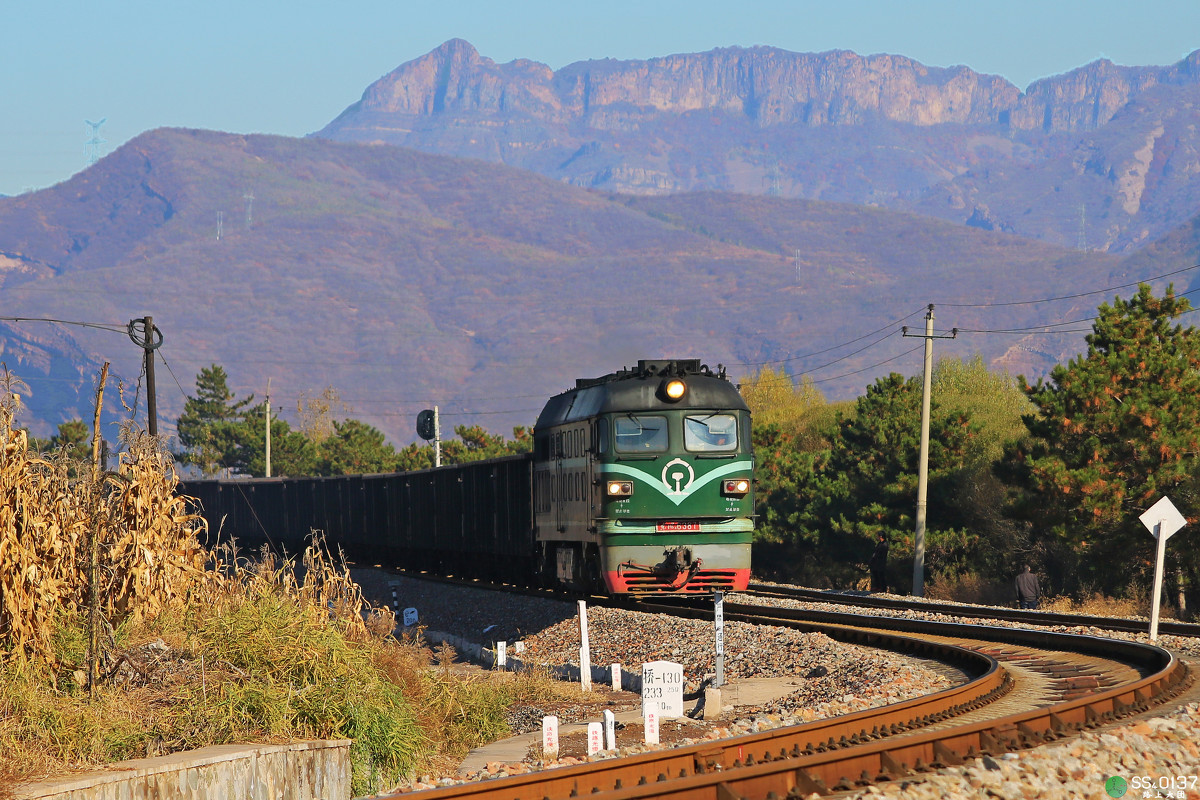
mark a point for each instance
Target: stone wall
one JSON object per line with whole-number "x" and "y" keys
{"x": 314, "y": 770}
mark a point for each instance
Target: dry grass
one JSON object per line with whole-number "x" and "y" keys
{"x": 1102, "y": 606}
{"x": 190, "y": 647}
{"x": 970, "y": 588}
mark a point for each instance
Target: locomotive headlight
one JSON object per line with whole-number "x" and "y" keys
{"x": 736, "y": 487}
{"x": 618, "y": 488}
{"x": 674, "y": 389}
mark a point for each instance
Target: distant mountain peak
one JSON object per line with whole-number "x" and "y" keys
{"x": 1076, "y": 157}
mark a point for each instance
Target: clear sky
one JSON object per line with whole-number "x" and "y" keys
{"x": 266, "y": 66}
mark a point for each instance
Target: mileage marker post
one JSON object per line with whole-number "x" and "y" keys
{"x": 1162, "y": 520}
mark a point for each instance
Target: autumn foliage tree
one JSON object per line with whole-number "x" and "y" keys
{"x": 1115, "y": 429}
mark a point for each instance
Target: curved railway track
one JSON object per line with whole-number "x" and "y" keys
{"x": 1023, "y": 617}
{"x": 1025, "y": 687}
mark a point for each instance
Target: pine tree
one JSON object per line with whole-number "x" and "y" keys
{"x": 208, "y": 426}
{"x": 868, "y": 484}
{"x": 1116, "y": 429}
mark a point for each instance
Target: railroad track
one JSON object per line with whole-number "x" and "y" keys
{"x": 1022, "y": 617}
{"x": 1025, "y": 687}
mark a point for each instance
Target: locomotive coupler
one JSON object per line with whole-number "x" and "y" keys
{"x": 676, "y": 568}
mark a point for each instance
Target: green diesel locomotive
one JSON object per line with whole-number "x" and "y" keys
{"x": 643, "y": 483}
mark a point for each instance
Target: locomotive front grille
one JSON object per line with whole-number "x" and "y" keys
{"x": 705, "y": 582}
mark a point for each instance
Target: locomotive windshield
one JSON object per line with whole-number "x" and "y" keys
{"x": 641, "y": 434}
{"x": 711, "y": 433}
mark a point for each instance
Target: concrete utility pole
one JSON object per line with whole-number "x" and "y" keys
{"x": 918, "y": 589}
{"x": 437, "y": 438}
{"x": 268, "y": 467}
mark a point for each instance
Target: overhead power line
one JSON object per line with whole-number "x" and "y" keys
{"x": 1070, "y": 296}
{"x": 106, "y": 326}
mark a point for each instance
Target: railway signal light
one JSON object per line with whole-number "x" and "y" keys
{"x": 426, "y": 427}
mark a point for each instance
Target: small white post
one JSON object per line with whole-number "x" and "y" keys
{"x": 610, "y": 730}
{"x": 651, "y": 727}
{"x": 585, "y": 656}
{"x": 502, "y": 654}
{"x": 616, "y": 677}
{"x": 549, "y": 738}
{"x": 595, "y": 738}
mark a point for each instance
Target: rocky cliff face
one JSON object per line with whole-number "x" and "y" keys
{"x": 765, "y": 84}
{"x": 878, "y": 130}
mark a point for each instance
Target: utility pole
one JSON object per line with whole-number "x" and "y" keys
{"x": 437, "y": 438}
{"x": 268, "y": 468}
{"x": 149, "y": 339}
{"x": 918, "y": 589}
{"x": 151, "y": 397}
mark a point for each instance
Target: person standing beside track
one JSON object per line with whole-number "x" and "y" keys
{"x": 1027, "y": 589}
{"x": 879, "y": 565}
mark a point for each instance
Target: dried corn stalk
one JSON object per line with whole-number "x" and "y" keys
{"x": 148, "y": 544}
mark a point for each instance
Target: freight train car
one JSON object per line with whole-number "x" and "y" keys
{"x": 641, "y": 481}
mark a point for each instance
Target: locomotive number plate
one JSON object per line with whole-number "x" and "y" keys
{"x": 676, "y": 527}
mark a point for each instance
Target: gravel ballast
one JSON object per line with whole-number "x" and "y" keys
{"x": 840, "y": 679}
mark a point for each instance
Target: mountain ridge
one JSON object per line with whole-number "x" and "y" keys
{"x": 405, "y": 279}
{"x": 873, "y": 130}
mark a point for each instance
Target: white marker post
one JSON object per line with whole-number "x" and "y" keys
{"x": 502, "y": 654}
{"x": 595, "y": 738}
{"x": 410, "y": 617}
{"x": 662, "y": 689}
{"x": 585, "y": 656}
{"x": 650, "y": 721}
{"x": 549, "y": 738}
{"x": 1162, "y": 520}
{"x": 616, "y": 677}
{"x": 719, "y": 633}
{"x": 610, "y": 730}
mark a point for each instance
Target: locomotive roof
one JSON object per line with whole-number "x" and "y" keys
{"x": 638, "y": 390}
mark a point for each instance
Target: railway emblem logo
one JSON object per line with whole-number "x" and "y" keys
{"x": 673, "y": 475}
{"x": 1116, "y": 786}
{"x": 678, "y": 479}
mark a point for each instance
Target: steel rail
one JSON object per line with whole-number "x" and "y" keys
{"x": 1029, "y": 617}
{"x": 840, "y": 753}
{"x": 845, "y": 769}
{"x": 989, "y": 681}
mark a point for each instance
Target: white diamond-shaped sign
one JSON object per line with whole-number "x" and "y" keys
{"x": 1165, "y": 514}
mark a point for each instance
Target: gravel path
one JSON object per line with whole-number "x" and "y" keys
{"x": 840, "y": 679}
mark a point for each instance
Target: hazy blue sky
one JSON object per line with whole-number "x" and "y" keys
{"x": 263, "y": 66}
